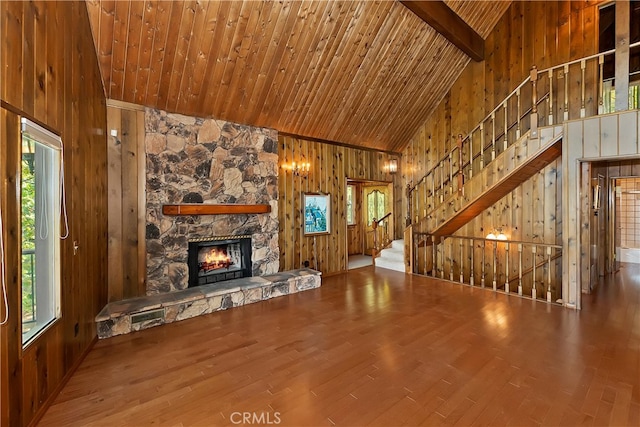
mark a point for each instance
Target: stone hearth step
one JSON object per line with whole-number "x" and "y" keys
{"x": 392, "y": 258}
{"x": 135, "y": 314}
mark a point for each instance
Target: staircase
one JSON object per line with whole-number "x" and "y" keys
{"x": 519, "y": 162}
{"x": 392, "y": 258}
{"x": 550, "y": 114}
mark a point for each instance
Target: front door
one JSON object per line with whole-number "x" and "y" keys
{"x": 377, "y": 203}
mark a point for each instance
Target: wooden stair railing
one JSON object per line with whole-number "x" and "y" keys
{"x": 447, "y": 256}
{"x": 506, "y": 174}
{"x": 380, "y": 242}
{"x": 510, "y": 169}
{"x": 465, "y": 165}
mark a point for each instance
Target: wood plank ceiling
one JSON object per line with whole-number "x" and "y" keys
{"x": 363, "y": 73}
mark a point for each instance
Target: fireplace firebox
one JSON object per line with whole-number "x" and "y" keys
{"x": 219, "y": 258}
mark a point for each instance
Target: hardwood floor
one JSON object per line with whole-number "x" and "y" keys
{"x": 373, "y": 347}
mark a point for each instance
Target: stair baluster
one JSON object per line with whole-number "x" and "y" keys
{"x": 566, "y": 92}
{"x": 440, "y": 258}
{"x": 470, "y": 155}
{"x": 471, "y": 247}
{"x": 495, "y": 265}
{"x": 520, "y": 269}
{"x": 601, "y": 85}
{"x": 451, "y": 262}
{"x": 550, "y": 103}
{"x": 549, "y": 274}
{"x": 461, "y": 263}
{"x": 506, "y": 261}
{"x": 484, "y": 249}
{"x": 493, "y": 136}
{"x": 533, "y": 77}
{"x": 518, "y": 115}
{"x": 583, "y": 109}
{"x": 505, "y": 143}
{"x": 534, "y": 291}
{"x": 434, "y": 255}
{"x": 460, "y": 166}
{"x": 481, "y": 145}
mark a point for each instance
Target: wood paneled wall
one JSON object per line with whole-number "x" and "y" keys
{"x": 331, "y": 165}
{"x": 530, "y": 33}
{"x": 49, "y": 73}
{"x": 127, "y": 183}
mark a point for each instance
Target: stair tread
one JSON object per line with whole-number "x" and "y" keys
{"x": 392, "y": 251}
{"x": 390, "y": 265}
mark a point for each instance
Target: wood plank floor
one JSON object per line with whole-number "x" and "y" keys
{"x": 373, "y": 347}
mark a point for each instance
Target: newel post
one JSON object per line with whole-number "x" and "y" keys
{"x": 534, "y": 102}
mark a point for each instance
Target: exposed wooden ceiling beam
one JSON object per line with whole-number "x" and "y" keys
{"x": 445, "y": 21}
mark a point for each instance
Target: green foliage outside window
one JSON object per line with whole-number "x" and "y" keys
{"x": 609, "y": 100}
{"x": 350, "y": 205}
{"x": 28, "y": 219}
{"x": 375, "y": 206}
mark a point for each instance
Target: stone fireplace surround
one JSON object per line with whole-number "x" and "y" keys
{"x": 193, "y": 160}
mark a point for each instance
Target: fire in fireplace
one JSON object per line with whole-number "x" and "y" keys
{"x": 219, "y": 258}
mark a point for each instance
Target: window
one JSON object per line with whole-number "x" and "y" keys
{"x": 375, "y": 206}
{"x": 609, "y": 100}
{"x": 351, "y": 205}
{"x": 607, "y": 38}
{"x": 40, "y": 220}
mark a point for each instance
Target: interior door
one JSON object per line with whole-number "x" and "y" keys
{"x": 376, "y": 203}
{"x": 355, "y": 229}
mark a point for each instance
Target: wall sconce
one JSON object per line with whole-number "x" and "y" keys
{"x": 497, "y": 234}
{"x": 300, "y": 168}
{"x": 392, "y": 166}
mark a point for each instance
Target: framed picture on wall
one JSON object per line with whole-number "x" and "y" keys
{"x": 317, "y": 213}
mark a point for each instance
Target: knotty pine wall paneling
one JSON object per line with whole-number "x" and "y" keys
{"x": 331, "y": 166}
{"x": 51, "y": 75}
{"x": 10, "y": 364}
{"x": 127, "y": 183}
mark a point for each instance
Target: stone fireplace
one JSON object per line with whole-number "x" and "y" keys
{"x": 217, "y": 259}
{"x": 195, "y": 160}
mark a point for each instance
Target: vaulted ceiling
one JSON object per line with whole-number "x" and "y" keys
{"x": 365, "y": 73}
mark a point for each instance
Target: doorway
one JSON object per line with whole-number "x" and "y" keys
{"x": 366, "y": 201}
{"x": 627, "y": 220}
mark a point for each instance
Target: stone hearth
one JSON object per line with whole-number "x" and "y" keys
{"x": 135, "y": 314}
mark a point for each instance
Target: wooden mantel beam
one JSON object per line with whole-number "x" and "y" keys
{"x": 445, "y": 21}
{"x": 211, "y": 209}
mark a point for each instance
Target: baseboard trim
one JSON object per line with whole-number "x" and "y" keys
{"x": 45, "y": 406}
